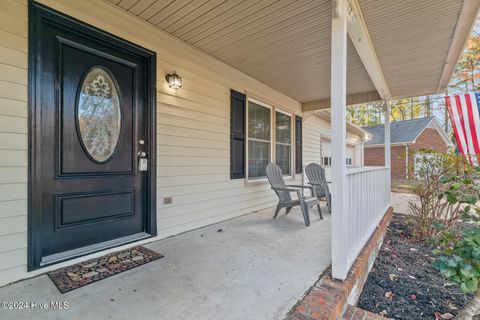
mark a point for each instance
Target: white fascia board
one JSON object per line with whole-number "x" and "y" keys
{"x": 358, "y": 32}
{"x": 465, "y": 23}
{"x": 401, "y": 144}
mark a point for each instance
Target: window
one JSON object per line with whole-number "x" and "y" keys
{"x": 283, "y": 130}
{"x": 99, "y": 114}
{"x": 259, "y": 139}
{"x": 269, "y": 139}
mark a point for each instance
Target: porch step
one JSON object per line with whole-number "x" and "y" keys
{"x": 355, "y": 313}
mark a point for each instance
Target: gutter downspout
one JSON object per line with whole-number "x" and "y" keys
{"x": 362, "y": 154}
{"x": 406, "y": 160}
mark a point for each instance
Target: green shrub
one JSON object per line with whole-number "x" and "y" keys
{"x": 459, "y": 252}
{"x": 444, "y": 186}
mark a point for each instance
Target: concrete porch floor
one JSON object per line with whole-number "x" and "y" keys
{"x": 255, "y": 268}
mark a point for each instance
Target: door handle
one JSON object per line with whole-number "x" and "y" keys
{"x": 142, "y": 161}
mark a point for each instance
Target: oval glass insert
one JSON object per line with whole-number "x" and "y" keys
{"x": 99, "y": 116}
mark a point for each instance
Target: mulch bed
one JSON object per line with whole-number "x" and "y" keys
{"x": 83, "y": 273}
{"x": 403, "y": 284}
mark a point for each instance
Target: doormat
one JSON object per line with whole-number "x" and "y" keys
{"x": 83, "y": 273}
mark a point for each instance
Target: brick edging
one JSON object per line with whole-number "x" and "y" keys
{"x": 355, "y": 313}
{"x": 328, "y": 298}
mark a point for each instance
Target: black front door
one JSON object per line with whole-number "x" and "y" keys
{"x": 92, "y": 139}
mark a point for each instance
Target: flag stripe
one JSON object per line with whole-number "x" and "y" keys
{"x": 460, "y": 125}
{"x": 476, "y": 117}
{"x": 466, "y": 132}
{"x": 471, "y": 123}
{"x": 464, "y": 113}
{"x": 476, "y": 114}
{"x": 456, "y": 125}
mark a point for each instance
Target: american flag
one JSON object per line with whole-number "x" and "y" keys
{"x": 463, "y": 110}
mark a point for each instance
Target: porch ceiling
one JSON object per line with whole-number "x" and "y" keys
{"x": 286, "y": 43}
{"x": 412, "y": 39}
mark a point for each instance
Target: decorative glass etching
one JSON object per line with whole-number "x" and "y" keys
{"x": 99, "y": 114}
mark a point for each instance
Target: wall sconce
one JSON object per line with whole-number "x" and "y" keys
{"x": 174, "y": 80}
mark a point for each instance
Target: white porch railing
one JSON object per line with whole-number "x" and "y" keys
{"x": 368, "y": 198}
{"x": 359, "y": 196}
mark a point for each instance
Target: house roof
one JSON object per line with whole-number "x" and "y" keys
{"x": 405, "y": 132}
{"x": 286, "y": 44}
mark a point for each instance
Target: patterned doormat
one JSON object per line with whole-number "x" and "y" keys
{"x": 83, "y": 273}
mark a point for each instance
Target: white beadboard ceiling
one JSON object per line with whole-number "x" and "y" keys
{"x": 411, "y": 39}
{"x": 286, "y": 43}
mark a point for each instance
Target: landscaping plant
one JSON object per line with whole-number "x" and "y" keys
{"x": 459, "y": 259}
{"x": 438, "y": 186}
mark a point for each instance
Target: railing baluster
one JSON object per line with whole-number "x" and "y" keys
{"x": 367, "y": 199}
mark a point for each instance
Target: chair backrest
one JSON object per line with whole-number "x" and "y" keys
{"x": 316, "y": 176}
{"x": 275, "y": 177}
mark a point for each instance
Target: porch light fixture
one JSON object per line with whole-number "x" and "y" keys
{"x": 174, "y": 80}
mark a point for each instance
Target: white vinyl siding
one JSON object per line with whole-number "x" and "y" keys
{"x": 358, "y": 155}
{"x": 316, "y": 143}
{"x": 13, "y": 139}
{"x": 193, "y": 131}
{"x": 192, "y": 122}
{"x": 326, "y": 154}
{"x": 313, "y": 129}
{"x": 350, "y": 155}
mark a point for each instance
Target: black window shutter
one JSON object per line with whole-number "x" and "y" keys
{"x": 298, "y": 144}
{"x": 237, "y": 134}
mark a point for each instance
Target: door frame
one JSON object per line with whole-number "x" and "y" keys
{"x": 36, "y": 13}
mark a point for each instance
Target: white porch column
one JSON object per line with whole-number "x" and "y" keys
{"x": 338, "y": 96}
{"x": 388, "y": 149}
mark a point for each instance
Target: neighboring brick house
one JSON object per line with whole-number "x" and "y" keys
{"x": 406, "y": 138}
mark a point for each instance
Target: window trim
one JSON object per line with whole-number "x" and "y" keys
{"x": 273, "y": 110}
{"x": 292, "y": 169}
{"x": 247, "y": 119}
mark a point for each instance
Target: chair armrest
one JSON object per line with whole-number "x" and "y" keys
{"x": 318, "y": 183}
{"x": 297, "y": 191}
{"x": 314, "y": 193}
{"x": 299, "y": 186}
{"x": 285, "y": 189}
